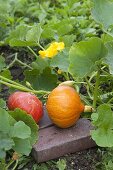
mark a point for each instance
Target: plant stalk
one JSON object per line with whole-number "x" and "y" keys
{"x": 95, "y": 96}
{"x": 10, "y": 81}
{"x": 10, "y": 163}
{"x": 22, "y": 88}
{"x": 24, "y": 64}
{"x": 32, "y": 51}
{"x": 15, "y": 165}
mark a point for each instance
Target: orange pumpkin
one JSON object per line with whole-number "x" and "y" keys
{"x": 64, "y": 106}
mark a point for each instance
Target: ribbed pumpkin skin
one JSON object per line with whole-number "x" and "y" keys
{"x": 64, "y": 106}
{"x": 27, "y": 102}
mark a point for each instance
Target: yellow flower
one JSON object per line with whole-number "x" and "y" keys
{"x": 59, "y": 71}
{"x": 52, "y": 50}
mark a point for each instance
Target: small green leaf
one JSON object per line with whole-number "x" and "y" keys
{"x": 6, "y": 73}
{"x": 34, "y": 34}
{"x": 20, "y": 115}
{"x": 19, "y": 33}
{"x": 103, "y": 134}
{"x": 84, "y": 55}
{"x": 22, "y": 146}
{"x": 21, "y": 130}
{"x": 61, "y": 164}
{"x": 24, "y": 35}
{"x": 63, "y": 27}
{"x": 4, "y": 121}
{"x": 2, "y": 62}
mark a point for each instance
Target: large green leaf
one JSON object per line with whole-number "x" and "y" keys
{"x": 18, "y": 115}
{"x": 103, "y": 12}
{"x": 109, "y": 57}
{"x": 61, "y": 61}
{"x": 103, "y": 134}
{"x": 22, "y": 146}
{"x": 84, "y": 56}
{"x": 45, "y": 81}
{"x": 21, "y": 130}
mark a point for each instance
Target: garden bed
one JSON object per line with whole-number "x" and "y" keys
{"x": 56, "y": 54}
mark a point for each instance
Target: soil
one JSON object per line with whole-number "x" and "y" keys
{"x": 83, "y": 160}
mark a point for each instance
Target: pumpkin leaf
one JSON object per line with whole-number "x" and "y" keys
{"x": 102, "y": 12}
{"x": 61, "y": 61}
{"x": 109, "y": 57}
{"x": 103, "y": 133}
{"x": 20, "y": 130}
{"x": 22, "y": 146}
{"x": 46, "y": 80}
{"x": 20, "y": 115}
{"x": 4, "y": 121}
{"x": 84, "y": 55}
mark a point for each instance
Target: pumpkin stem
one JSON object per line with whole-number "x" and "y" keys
{"x": 88, "y": 109}
{"x": 67, "y": 83}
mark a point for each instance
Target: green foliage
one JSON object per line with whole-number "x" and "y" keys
{"x": 40, "y": 64}
{"x": 52, "y": 164}
{"x": 103, "y": 13}
{"x": 46, "y": 80}
{"x": 85, "y": 55}
{"x": 103, "y": 121}
{"x": 109, "y": 57}
{"x": 61, "y": 61}
{"x": 16, "y": 135}
{"x": 57, "y": 19}
{"x": 86, "y": 59}
{"x": 18, "y": 114}
{"x": 25, "y": 35}
{"x": 61, "y": 164}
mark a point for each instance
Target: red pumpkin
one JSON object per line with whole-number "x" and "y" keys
{"x": 27, "y": 102}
